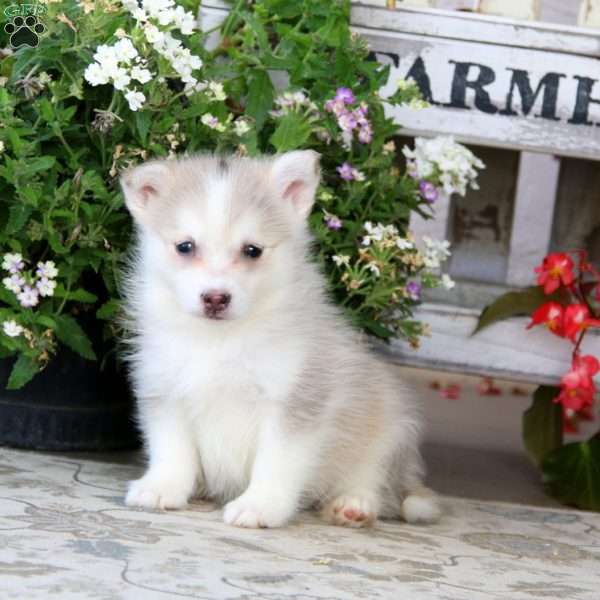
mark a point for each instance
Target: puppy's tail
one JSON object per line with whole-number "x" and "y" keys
{"x": 421, "y": 505}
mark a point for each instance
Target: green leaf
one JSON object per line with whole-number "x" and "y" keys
{"x": 17, "y": 217}
{"x": 8, "y": 297}
{"x": 108, "y": 309}
{"x": 70, "y": 333}
{"x": 378, "y": 330}
{"x": 260, "y": 97}
{"x": 513, "y": 304}
{"x": 143, "y": 120}
{"x": 78, "y": 295}
{"x": 292, "y": 132}
{"x": 572, "y": 474}
{"x": 43, "y": 163}
{"x": 23, "y": 371}
{"x": 542, "y": 424}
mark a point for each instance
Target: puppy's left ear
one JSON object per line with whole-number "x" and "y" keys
{"x": 296, "y": 176}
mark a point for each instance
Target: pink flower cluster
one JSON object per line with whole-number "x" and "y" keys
{"x": 351, "y": 119}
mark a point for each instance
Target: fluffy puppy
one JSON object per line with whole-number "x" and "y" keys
{"x": 251, "y": 388}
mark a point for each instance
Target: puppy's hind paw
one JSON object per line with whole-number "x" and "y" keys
{"x": 149, "y": 493}
{"x": 350, "y": 511}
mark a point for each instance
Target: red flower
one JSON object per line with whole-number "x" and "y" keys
{"x": 578, "y": 389}
{"x": 570, "y": 421}
{"x": 576, "y": 319}
{"x": 551, "y": 315}
{"x": 557, "y": 268}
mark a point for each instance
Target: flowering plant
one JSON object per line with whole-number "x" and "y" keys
{"x": 565, "y": 302}
{"x": 113, "y": 83}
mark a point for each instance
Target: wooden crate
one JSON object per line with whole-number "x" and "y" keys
{"x": 527, "y": 93}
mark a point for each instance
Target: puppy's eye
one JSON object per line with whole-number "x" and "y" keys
{"x": 185, "y": 248}
{"x": 252, "y": 251}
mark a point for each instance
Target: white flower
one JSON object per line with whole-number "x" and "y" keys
{"x": 436, "y": 252}
{"x": 47, "y": 269}
{"x": 141, "y": 75}
{"x": 217, "y": 91}
{"x": 406, "y": 84}
{"x": 194, "y": 87}
{"x": 12, "y": 328}
{"x": 241, "y": 127}
{"x": 446, "y": 162}
{"x": 183, "y": 20}
{"x": 1, "y": 146}
{"x": 374, "y": 269}
{"x": 379, "y": 232}
{"x": 447, "y": 282}
{"x": 13, "y": 263}
{"x": 106, "y": 55}
{"x": 153, "y": 34}
{"x": 389, "y": 148}
{"x": 404, "y": 244}
{"x": 28, "y": 297}
{"x": 95, "y": 75}
{"x": 136, "y": 99}
{"x": 341, "y": 260}
{"x": 46, "y": 286}
{"x": 121, "y": 79}
{"x": 125, "y": 50}
{"x": 211, "y": 121}
{"x": 292, "y": 101}
{"x": 14, "y": 283}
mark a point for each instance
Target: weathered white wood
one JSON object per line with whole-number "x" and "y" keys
{"x": 589, "y": 15}
{"x": 533, "y": 215}
{"x": 519, "y": 9}
{"x": 392, "y": 4}
{"x": 505, "y": 349}
{"x": 210, "y": 16}
{"x": 469, "y": 26}
{"x": 436, "y": 228}
{"x": 481, "y": 221}
{"x": 500, "y": 116}
{"x": 559, "y": 11}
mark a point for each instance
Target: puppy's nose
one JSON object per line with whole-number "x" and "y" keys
{"x": 215, "y": 301}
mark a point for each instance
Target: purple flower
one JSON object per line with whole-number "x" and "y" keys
{"x": 346, "y": 172}
{"x": 365, "y": 135}
{"x": 333, "y": 222}
{"x": 28, "y": 297}
{"x": 413, "y": 289}
{"x": 344, "y": 95}
{"x": 428, "y": 191}
{"x": 347, "y": 121}
{"x": 361, "y": 113}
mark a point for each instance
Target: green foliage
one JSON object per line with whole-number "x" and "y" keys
{"x": 514, "y": 304}
{"x": 542, "y": 424}
{"x": 64, "y": 143}
{"x": 572, "y": 474}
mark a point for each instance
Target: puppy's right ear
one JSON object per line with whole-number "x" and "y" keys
{"x": 143, "y": 186}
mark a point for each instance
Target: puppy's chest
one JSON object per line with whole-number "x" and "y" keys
{"x": 214, "y": 371}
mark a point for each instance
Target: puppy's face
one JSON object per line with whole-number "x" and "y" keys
{"x": 223, "y": 233}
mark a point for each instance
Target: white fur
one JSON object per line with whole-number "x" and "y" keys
{"x": 278, "y": 406}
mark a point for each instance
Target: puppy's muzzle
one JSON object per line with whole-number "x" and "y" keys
{"x": 215, "y": 303}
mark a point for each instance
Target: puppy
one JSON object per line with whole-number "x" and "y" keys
{"x": 251, "y": 388}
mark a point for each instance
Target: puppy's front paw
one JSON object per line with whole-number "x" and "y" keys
{"x": 255, "y": 510}
{"x": 151, "y": 492}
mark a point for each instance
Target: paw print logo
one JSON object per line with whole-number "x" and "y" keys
{"x": 24, "y": 32}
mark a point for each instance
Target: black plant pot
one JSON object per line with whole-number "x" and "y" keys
{"x": 71, "y": 405}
